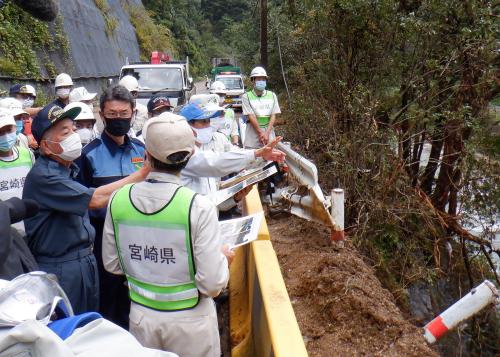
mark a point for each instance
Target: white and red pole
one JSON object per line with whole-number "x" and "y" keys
{"x": 476, "y": 300}
{"x": 338, "y": 214}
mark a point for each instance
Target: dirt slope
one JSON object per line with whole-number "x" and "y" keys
{"x": 340, "y": 305}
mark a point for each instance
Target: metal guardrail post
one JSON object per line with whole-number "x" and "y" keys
{"x": 476, "y": 300}
{"x": 337, "y": 210}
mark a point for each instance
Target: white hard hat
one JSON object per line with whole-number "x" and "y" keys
{"x": 63, "y": 80}
{"x": 204, "y": 99}
{"x": 217, "y": 87}
{"x": 85, "y": 114}
{"x": 258, "y": 72}
{"x": 13, "y": 105}
{"x": 6, "y": 117}
{"x": 79, "y": 94}
{"x": 27, "y": 89}
{"x": 32, "y": 296}
{"x": 129, "y": 82}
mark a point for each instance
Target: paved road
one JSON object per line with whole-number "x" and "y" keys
{"x": 200, "y": 88}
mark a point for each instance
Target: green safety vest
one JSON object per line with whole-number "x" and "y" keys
{"x": 262, "y": 106}
{"x": 155, "y": 251}
{"x": 228, "y": 123}
{"x": 13, "y": 174}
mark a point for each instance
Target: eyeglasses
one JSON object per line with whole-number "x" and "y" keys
{"x": 114, "y": 115}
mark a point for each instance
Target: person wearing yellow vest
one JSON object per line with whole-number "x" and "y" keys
{"x": 166, "y": 240}
{"x": 15, "y": 161}
{"x": 260, "y": 106}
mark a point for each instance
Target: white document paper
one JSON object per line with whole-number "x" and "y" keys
{"x": 240, "y": 231}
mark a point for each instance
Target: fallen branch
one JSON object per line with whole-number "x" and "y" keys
{"x": 450, "y": 222}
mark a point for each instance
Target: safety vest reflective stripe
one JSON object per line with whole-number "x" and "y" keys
{"x": 183, "y": 295}
{"x": 155, "y": 251}
{"x": 262, "y": 106}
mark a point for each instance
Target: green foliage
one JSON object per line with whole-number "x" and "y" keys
{"x": 199, "y": 28}
{"x": 151, "y": 36}
{"x": 371, "y": 82}
{"x": 42, "y": 98}
{"x": 110, "y": 22}
{"x": 22, "y": 37}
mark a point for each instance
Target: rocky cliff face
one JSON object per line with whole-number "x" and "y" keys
{"x": 98, "y": 38}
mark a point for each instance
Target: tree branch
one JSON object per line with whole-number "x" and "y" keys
{"x": 451, "y": 223}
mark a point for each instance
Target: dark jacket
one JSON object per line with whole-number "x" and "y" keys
{"x": 15, "y": 256}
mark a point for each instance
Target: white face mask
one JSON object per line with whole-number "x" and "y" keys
{"x": 71, "y": 146}
{"x": 28, "y": 103}
{"x": 203, "y": 136}
{"x": 63, "y": 93}
{"x": 221, "y": 99}
{"x": 86, "y": 135}
{"x": 218, "y": 123}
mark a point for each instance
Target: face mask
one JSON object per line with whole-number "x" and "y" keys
{"x": 71, "y": 146}
{"x": 221, "y": 99}
{"x": 63, "y": 93}
{"x": 86, "y": 135}
{"x": 19, "y": 126}
{"x": 28, "y": 103}
{"x": 218, "y": 123}
{"x": 260, "y": 85}
{"x": 203, "y": 136}
{"x": 7, "y": 141}
{"x": 118, "y": 126}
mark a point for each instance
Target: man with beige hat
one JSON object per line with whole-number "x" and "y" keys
{"x": 166, "y": 240}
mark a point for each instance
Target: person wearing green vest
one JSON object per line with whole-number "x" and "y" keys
{"x": 166, "y": 240}
{"x": 15, "y": 161}
{"x": 260, "y": 106}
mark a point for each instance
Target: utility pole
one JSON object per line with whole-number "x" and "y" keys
{"x": 263, "y": 33}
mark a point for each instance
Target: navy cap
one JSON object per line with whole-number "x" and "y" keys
{"x": 194, "y": 112}
{"x": 15, "y": 89}
{"x": 157, "y": 102}
{"x": 50, "y": 115}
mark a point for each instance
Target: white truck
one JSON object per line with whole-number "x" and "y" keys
{"x": 234, "y": 88}
{"x": 162, "y": 76}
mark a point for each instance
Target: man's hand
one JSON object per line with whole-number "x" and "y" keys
{"x": 33, "y": 111}
{"x": 144, "y": 171}
{"x": 263, "y": 139}
{"x": 269, "y": 153}
{"x": 228, "y": 253}
{"x": 32, "y": 143}
{"x": 240, "y": 195}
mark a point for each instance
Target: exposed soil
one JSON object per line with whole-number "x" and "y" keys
{"x": 340, "y": 305}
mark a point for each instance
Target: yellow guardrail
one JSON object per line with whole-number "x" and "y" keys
{"x": 261, "y": 318}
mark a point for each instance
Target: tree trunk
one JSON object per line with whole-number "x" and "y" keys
{"x": 453, "y": 146}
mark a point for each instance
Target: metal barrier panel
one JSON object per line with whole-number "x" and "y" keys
{"x": 261, "y": 317}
